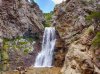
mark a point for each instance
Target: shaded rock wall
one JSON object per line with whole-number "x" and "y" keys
{"x": 78, "y": 33}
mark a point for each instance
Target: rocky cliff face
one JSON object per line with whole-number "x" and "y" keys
{"x": 78, "y": 25}
{"x": 17, "y": 16}
{"x": 21, "y": 25}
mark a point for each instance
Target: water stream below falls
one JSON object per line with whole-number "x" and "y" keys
{"x": 45, "y": 57}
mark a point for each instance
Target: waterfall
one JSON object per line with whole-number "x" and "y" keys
{"x": 45, "y": 57}
{"x": 29, "y": 1}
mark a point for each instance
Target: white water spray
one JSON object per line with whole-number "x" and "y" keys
{"x": 45, "y": 57}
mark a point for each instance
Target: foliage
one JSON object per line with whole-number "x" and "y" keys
{"x": 18, "y": 38}
{"x": 29, "y": 39}
{"x": 0, "y": 54}
{"x": 93, "y": 15}
{"x": 4, "y": 55}
{"x": 48, "y": 17}
{"x": 96, "y": 41}
{"x": 22, "y": 43}
{"x": 26, "y": 51}
{"x": 0, "y": 67}
{"x": 6, "y": 39}
{"x": 18, "y": 43}
{"x": 46, "y": 24}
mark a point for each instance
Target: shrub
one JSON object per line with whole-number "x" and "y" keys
{"x": 17, "y": 44}
{"x": 26, "y": 51}
{"x": 96, "y": 41}
{"x": 4, "y": 55}
{"x": 93, "y": 15}
{"x": 22, "y": 43}
{"x": 48, "y": 17}
{"x": 46, "y": 24}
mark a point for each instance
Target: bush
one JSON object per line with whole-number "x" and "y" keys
{"x": 48, "y": 17}
{"x": 96, "y": 41}
{"x": 4, "y": 55}
{"x": 26, "y": 51}
{"x": 46, "y": 24}
{"x": 24, "y": 45}
{"x": 93, "y": 15}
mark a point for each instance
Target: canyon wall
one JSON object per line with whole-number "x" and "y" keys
{"x": 21, "y": 27}
{"x": 17, "y": 16}
{"x": 78, "y": 25}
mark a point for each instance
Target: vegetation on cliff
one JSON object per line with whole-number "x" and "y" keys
{"x": 21, "y": 45}
{"x": 94, "y": 15}
{"x": 96, "y": 41}
{"x": 48, "y": 18}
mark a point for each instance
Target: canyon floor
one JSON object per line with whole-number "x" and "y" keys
{"x": 31, "y": 70}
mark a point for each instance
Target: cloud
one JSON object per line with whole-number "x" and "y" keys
{"x": 58, "y": 1}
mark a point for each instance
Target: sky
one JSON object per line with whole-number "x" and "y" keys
{"x": 47, "y": 5}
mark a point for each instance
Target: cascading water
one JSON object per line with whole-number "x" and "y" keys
{"x": 45, "y": 57}
{"x": 29, "y": 1}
